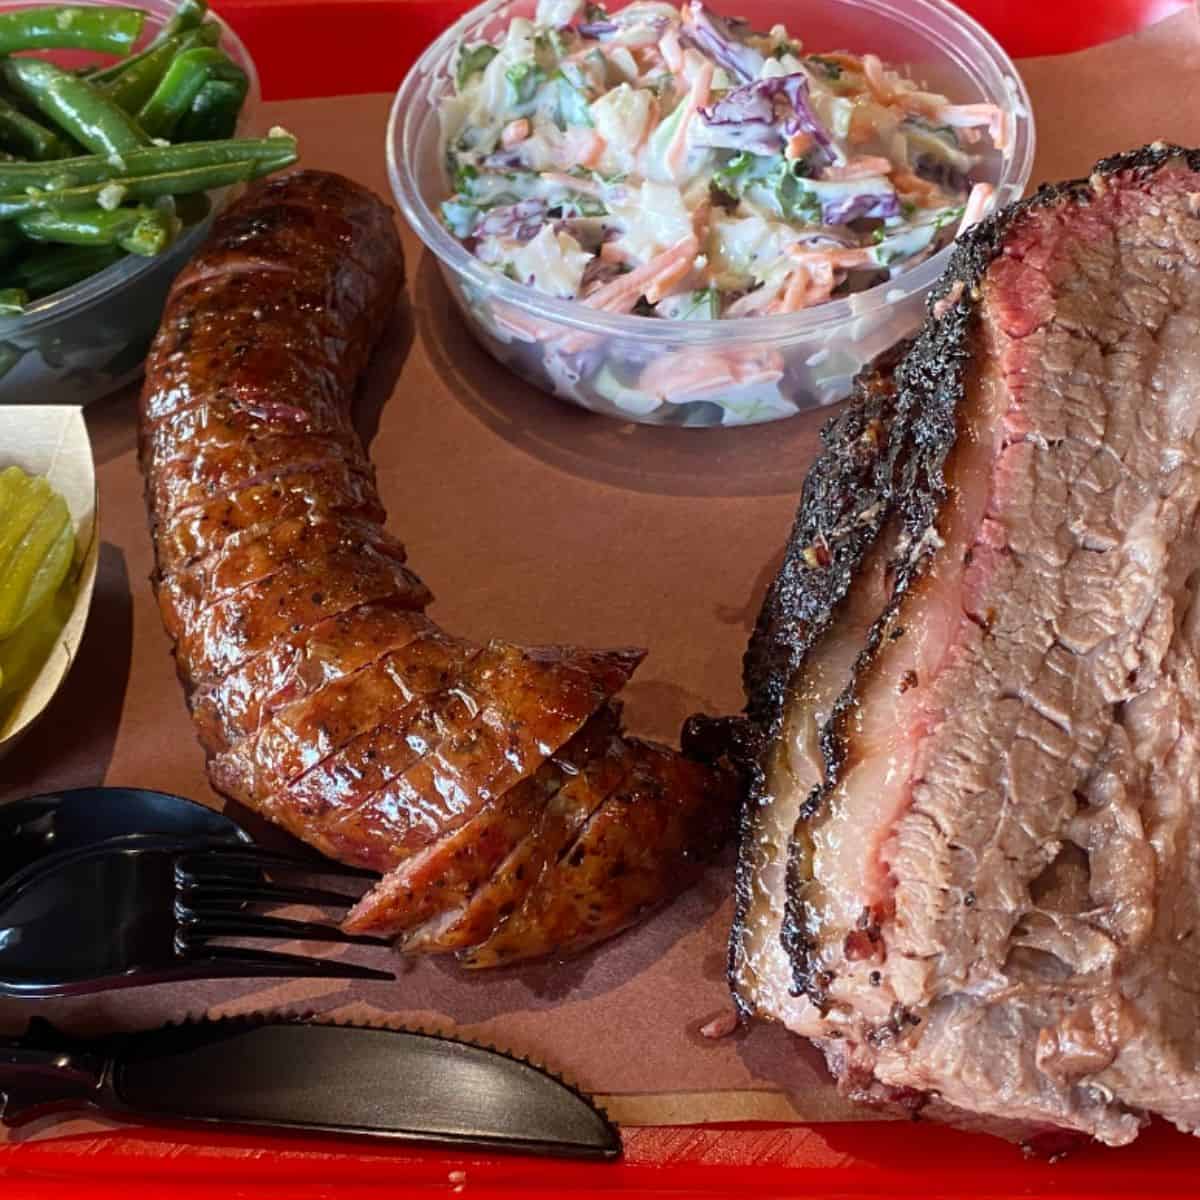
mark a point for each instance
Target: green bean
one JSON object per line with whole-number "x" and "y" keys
{"x": 140, "y": 230}
{"x": 51, "y": 268}
{"x": 27, "y": 137}
{"x": 152, "y": 160}
{"x": 114, "y": 192}
{"x": 78, "y": 108}
{"x": 70, "y": 27}
{"x": 214, "y": 112}
{"x": 13, "y": 301}
{"x": 188, "y": 14}
{"x": 130, "y": 87}
{"x": 179, "y": 87}
{"x": 134, "y": 84}
{"x": 210, "y": 36}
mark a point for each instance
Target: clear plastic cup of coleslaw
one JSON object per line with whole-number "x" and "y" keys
{"x": 764, "y": 368}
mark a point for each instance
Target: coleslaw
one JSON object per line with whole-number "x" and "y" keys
{"x": 678, "y": 165}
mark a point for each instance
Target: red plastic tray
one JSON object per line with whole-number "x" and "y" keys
{"x": 343, "y": 47}
{"x": 338, "y": 47}
{"x": 875, "y": 1159}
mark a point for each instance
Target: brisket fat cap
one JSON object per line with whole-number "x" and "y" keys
{"x": 492, "y": 784}
{"x": 987, "y": 746}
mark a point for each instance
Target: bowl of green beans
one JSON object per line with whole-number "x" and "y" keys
{"x": 122, "y": 131}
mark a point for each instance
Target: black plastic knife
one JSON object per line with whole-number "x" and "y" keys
{"x": 298, "y": 1074}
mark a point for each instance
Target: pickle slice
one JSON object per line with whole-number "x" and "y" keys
{"x": 21, "y": 499}
{"x": 23, "y": 654}
{"x": 33, "y": 566}
{"x": 12, "y": 484}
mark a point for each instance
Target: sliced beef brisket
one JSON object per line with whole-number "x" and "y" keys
{"x": 985, "y": 751}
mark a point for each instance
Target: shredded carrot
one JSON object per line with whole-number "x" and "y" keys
{"x": 922, "y": 104}
{"x": 653, "y": 278}
{"x": 862, "y": 125}
{"x": 514, "y": 132}
{"x": 620, "y": 294}
{"x": 966, "y": 116}
{"x": 878, "y": 83}
{"x": 672, "y": 51}
{"x": 850, "y": 62}
{"x": 977, "y": 202}
{"x": 647, "y": 57}
{"x": 859, "y": 168}
{"x": 917, "y": 190}
{"x": 754, "y": 303}
{"x": 647, "y": 129}
{"x": 697, "y": 97}
{"x": 582, "y": 147}
{"x": 798, "y": 145}
{"x": 811, "y": 282}
{"x": 668, "y": 280}
{"x": 685, "y": 372}
{"x": 574, "y": 343}
{"x": 840, "y": 259}
{"x": 795, "y": 295}
{"x": 527, "y": 328}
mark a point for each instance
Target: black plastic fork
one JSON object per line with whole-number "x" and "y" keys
{"x": 155, "y": 909}
{"x": 214, "y": 888}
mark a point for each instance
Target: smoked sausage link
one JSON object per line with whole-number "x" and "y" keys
{"x": 491, "y": 785}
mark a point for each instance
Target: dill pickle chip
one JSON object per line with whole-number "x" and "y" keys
{"x": 54, "y": 567}
{"x": 12, "y": 484}
{"x": 22, "y": 499}
{"x": 37, "y": 565}
{"x": 23, "y": 655}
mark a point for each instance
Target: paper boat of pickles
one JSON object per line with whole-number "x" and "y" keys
{"x": 48, "y": 557}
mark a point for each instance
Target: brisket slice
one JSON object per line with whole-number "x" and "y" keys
{"x": 990, "y": 895}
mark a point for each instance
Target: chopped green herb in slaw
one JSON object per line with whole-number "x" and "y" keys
{"x": 673, "y": 163}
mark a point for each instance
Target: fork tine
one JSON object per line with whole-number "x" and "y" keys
{"x": 201, "y": 925}
{"x": 210, "y": 862}
{"x": 205, "y": 892}
{"x": 227, "y": 962}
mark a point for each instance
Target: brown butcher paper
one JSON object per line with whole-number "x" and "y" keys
{"x": 535, "y": 522}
